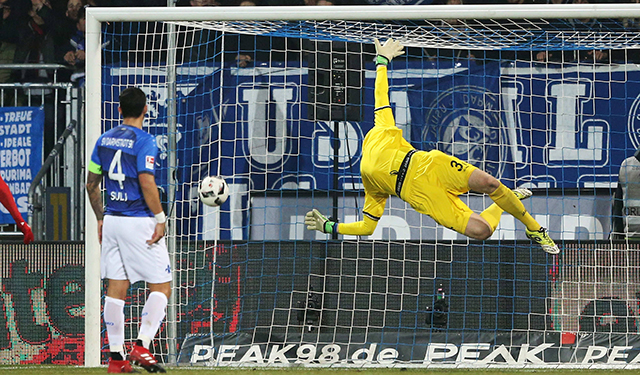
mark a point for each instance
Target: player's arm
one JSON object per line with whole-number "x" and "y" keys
{"x": 94, "y": 178}
{"x": 152, "y": 197}
{"x": 373, "y": 209}
{"x": 385, "y": 53}
{"x": 146, "y": 177}
{"x": 95, "y": 198}
{"x": 7, "y": 200}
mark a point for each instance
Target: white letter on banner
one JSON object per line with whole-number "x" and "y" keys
{"x": 402, "y": 112}
{"x": 279, "y": 355}
{"x": 223, "y": 352}
{"x": 500, "y": 351}
{"x": 568, "y": 125}
{"x": 254, "y": 354}
{"x": 440, "y": 351}
{"x": 572, "y": 222}
{"x": 197, "y": 349}
{"x": 238, "y": 191}
{"x": 635, "y": 360}
{"x": 530, "y": 355}
{"x": 510, "y": 101}
{"x": 387, "y": 356}
{"x": 258, "y": 140}
{"x": 471, "y": 352}
{"x": 368, "y": 352}
{"x": 615, "y": 354}
{"x": 593, "y": 353}
{"x": 566, "y": 96}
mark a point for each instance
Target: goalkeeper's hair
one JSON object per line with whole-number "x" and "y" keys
{"x": 132, "y": 102}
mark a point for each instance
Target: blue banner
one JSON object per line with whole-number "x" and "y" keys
{"x": 570, "y": 126}
{"x": 21, "y": 137}
{"x": 537, "y": 126}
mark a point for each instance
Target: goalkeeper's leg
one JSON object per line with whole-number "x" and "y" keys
{"x": 508, "y": 201}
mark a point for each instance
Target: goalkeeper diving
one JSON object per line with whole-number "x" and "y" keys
{"x": 430, "y": 181}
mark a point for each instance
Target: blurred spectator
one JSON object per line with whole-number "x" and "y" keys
{"x": 66, "y": 25}
{"x": 548, "y": 56}
{"x": 35, "y": 41}
{"x": 73, "y": 52}
{"x": 244, "y": 59}
{"x": 9, "y": 22}
{"x": 595, "y": 56}
{"x": 73, "y": 9}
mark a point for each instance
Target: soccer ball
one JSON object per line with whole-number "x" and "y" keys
{"x": 213, "y": 191}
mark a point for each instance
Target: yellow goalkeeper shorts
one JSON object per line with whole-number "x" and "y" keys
{"x": 434, "y": 181}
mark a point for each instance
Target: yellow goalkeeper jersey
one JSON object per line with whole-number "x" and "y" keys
{"x": 383, "y": 152}
{"x": 428, "y": 181}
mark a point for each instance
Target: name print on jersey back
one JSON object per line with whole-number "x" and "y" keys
{"x": 124, "y": 152}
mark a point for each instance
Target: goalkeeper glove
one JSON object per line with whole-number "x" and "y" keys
{"x": 387, "y": 51}
{"x": 314, "y": 220}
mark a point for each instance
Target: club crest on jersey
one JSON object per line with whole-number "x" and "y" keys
{"x": 149, "y": 162}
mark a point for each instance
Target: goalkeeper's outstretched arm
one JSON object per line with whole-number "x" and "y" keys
{"x": 373, "y": 209}
{"x": 373, "y": 205}
{"x": 383, "y": 116}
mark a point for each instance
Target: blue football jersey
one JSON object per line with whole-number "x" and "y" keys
{"x": 120, "y": 155}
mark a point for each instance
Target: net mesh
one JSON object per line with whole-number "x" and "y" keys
{"x": 280, "y": 110}
{"x": 508, "y": 34}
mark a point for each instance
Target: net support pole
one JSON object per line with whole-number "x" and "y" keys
{"x": 93, "y": 115}
{"x": 172, "y": 181}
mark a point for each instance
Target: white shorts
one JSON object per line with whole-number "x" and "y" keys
{"x": 126, "y": 255}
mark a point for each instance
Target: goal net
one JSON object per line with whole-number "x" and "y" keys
{"x": 278, "y": 100}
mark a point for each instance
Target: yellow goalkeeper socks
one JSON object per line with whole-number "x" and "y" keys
{"x": 492, "y": 215}
{"x": 508, "y": 201}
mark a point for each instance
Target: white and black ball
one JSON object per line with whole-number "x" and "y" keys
{"x": 213, "y": 191}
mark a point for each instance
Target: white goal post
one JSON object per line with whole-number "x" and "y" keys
{"x": 96, "y": 17}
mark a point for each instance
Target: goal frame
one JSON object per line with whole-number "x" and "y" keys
{"x": 95, "y": 16}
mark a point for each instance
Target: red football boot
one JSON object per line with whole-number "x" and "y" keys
{"x": 120, "y": 367}
{"x": 142, "y": 357}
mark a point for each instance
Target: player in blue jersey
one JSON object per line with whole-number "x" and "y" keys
{"x": 131, "y": 230}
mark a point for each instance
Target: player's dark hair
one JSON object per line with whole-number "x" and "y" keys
{"x": 132, "y": 102}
